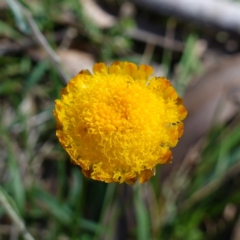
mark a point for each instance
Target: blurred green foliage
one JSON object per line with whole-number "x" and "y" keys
{"x": 51, "y": 194}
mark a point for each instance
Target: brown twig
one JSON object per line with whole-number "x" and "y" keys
{"x": 155, "y": 39}
{"x": 223, "y": 14}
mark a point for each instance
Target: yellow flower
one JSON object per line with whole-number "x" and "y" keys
{"x": 117, "y": 124}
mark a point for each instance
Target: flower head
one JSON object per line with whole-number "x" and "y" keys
{"x": 117, "y": 123}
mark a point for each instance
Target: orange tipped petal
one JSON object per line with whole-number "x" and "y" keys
{"x": 163, "y": 83}
{"x": 173, "y": 133}
{"x": 145, "y": 175}
{"x": 170, "y": 93}
{"x": 100, "y": 68}
{"x": 85, "y": 72}
{"x": 180, "y": 129}
{"x": 144, "y": 72}
{"x": 64, "y": 91}
{"x": 182, "y": 112}
{"x": 116, "y": 68}
{"x": 130, "y": 69}
{"x": 167, "y": 158}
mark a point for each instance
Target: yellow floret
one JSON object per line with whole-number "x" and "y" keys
{"x": 117, "y": 124}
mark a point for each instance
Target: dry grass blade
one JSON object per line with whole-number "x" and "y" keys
{"x": 210, "y": 187}
{"x": 43, "y": 42}
{"x": 14, "y": 216}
